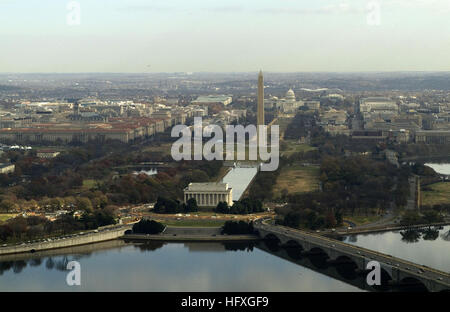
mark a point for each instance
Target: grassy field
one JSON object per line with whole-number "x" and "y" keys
{"x": 6, "y": 216}
{"x": 361, "y": 220}
{"x": 297, "y": 179}
{"x": 54, "y": 148}
{"x": 164, "y": 149}
{"x": 439, "y": 193}
{"x": 294, "y": 147}
{"x": 89, "y": 183}
{"x": 283, "y": 123}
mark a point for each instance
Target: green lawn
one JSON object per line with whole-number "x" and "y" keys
{"x": 297, "y": 179}
{"x": 55, "y": 148}
{"x": 6, "y": 216}
{"x": 164, "y": 149}
{"x": 89, "y": 183}
{"x": 283, "y": 123}
{"x": 294, "y": 147}
{"x": 439, "y": 193}
{"x": 361, "y": 220}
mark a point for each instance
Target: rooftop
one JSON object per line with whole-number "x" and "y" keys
{"x": 208, "y": 187}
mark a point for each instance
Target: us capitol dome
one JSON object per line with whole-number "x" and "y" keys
{"x": 290, "y": 95}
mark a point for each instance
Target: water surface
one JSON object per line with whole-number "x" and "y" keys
{"x": 187, "y": 267}
{"x": 429, "y": 247}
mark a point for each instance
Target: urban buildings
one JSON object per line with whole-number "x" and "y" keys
{"x": 288, "y": 104}
{"x": 47, "y": 153}
{"x": 433, "y": 137}
{"x": 213, "y": 99}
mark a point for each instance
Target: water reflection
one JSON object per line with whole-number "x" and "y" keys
{"x": 430, "y": 234}
{"x": 446, "y": 236}
{"x": 428, "y": 246}
{"x": 239, "y": 246}
{"x": 410, "y": 236}
{"x": 159, "y": 266}
{"x": 17, "y": 266}
{"x": 192, "y": 266}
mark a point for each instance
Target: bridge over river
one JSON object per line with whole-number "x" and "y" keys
{"x": 396, "y": 272}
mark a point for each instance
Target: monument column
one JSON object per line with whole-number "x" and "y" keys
{"x": 260, "y": 107}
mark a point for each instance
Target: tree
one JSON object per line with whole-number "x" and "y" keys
{"x": 164, "y": 205}
{"x": 7, "y": 205}
{"x": 410, "y": 218}
{"x": 330, "y": 220}
{"x": 191, "y": 205}
{"x": 284, "y": 193}
{"x": 432, "y": 216}
{"x": 292, "y": 219}
{"x": 84, "y": 203}
{"x": 338, "y": 217}
{"x": 148, "y": 227}
{"x": 236, "y": 228}
{"x": 222, "y": 207}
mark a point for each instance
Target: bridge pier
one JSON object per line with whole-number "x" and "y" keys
{"x": 352, "y": 260}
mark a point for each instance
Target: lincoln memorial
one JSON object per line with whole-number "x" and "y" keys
{"x": 209, "y": 194}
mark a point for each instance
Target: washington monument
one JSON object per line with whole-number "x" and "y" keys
{"x": 260, "y": 108}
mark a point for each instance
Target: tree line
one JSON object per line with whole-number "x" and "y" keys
{"x": 35, "y": 227}
{"x": 170, "y": 206}
{"x": 244, "y": 206}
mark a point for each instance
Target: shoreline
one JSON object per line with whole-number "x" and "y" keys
{"x": 190, "y": 238}
{"x": 72, "y": 241}
{"x": 179, "y": 234}
{"x": 390, "y": 229}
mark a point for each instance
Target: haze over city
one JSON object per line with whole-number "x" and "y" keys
{"x": 224, "y": 36}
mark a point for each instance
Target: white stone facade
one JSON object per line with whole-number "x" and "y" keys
{"x": 209, "y": 194}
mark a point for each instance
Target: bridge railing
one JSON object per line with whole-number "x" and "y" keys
{"x": 360, "y": 251}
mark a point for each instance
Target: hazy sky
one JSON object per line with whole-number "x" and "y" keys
{"x": 224, "y": 35}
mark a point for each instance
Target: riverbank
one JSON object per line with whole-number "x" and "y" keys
{"x": 83, "y": 238}
{"x": 194, "y": 234}
{"x": 190, "y": 238}
{"x": 387, "y": 229}
{"x": 65, "y": 251}
{"x": 424, "y": 159}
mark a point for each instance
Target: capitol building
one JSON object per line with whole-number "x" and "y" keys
{"x": 288, "y": 104}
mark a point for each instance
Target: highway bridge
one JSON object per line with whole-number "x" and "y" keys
{"x": 396, "y": 272}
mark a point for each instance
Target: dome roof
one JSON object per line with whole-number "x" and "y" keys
{"x": 290, "y": 94}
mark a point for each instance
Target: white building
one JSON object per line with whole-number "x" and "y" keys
{"x": 7, "y": 168}
{"x": 378, "y": 105}
{"x": 47, "y": 153}
{"x": 288, "y": 104}
{"x": 209, "y": 194}
{"x": 213, "y": 99}
{"x": 378, "y": 108}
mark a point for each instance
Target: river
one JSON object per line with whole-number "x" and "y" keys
{"x": 430, "y": 248}
{"x": 187, "y": 267}
{"x": 200, "y": 266}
